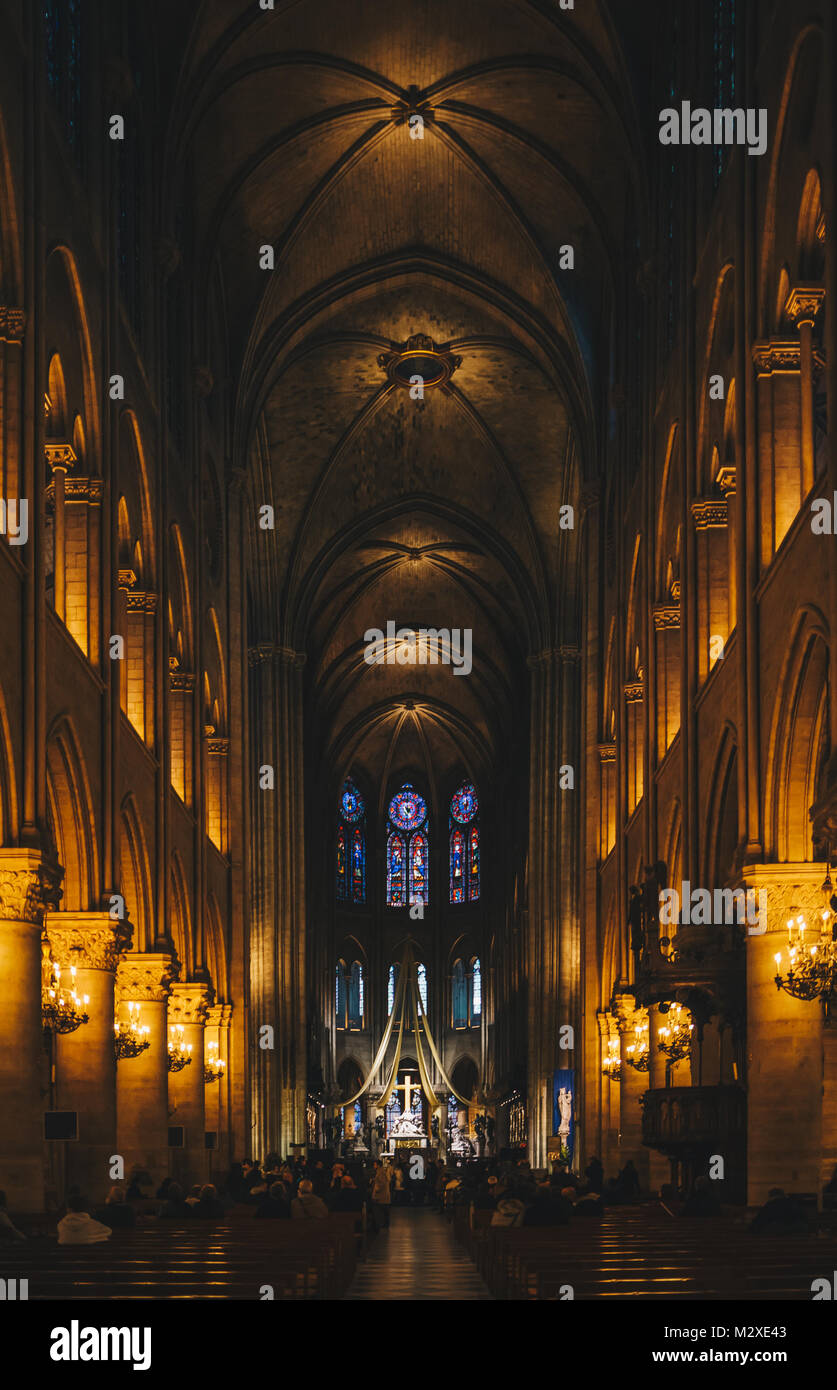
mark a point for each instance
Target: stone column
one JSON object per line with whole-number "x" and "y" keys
{"x": 553, "y": 953}
{"x": 28, "y": 886}
{"x": 659, "y": 1167}
{"x": 277, "y": 904}
{"x": 217, "y": 1093}
{"x": 633, "y": 1084}
{"x": 85, "y": 1065}
{"x": 784, "y": 1043}
{"x": 803, "y": 305}
{"x": 142, "y": 1082}
{"x": 187, "y": 1007}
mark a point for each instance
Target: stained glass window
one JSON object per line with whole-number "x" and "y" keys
{"x": 396, "y": 871}
{"x": 354, "y": 1013}
{"x": 422, "y": 986}
{"x": 408, "y": 849}
{"x": 340, "y": 993}
{"x": 476, "y": 990}
{"x": 63, "y": 43}
{"x": 459, "y": 993}
{"x": 418, "y": 868}
{"x": 392, "y": 981}
{"x": 464, "y": 845}
{"x": 351, "y": 845}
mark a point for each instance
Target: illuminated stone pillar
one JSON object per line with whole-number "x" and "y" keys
{"x": 659, "y": 1166}
{"x": 784, "y": 1044}
{"x": 633, "y": 1086}
{"x": 187, "y": 1007}
{"x": 217, "y": 1093}
{"x": 610, "y": 1097}
{"x": 85, "y": 1064}
{"x": 142, "y": 1082}
{"x": 803, "y": 305}
{"x": 28, "y": 886}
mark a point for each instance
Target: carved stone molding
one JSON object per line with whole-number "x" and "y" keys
{"x": 634, "y": 692}
{"x": 607, "y": 752}
{"x": 709, "y": 513}
{"x": 219, "y": 1015}
{"x": 29, "y": 885}
{"x": 726, "y": 479}
{"x": 675, "y": 590}
{"x": 127, "y": 579}
{"x": 666, "y": 616}
{"x": 144, "y": 978}
{"x": 777, "y": 355}
{"x": 790, "y": 889}
{"x": 628, "y": 1016}
{"x": 804, "y": 303}
{"x": 12, "y": 324}
{"x": 183, "y": 681}
{"x": 88, "y": 940}
{"x": 188, "y": 1003}
{"x": 265, "y": 652}
{"x": 59, "y": 455}
{"x": 141, "y": 601}
{"x": 218, "y": 747}
{"x": 569, "y": 654}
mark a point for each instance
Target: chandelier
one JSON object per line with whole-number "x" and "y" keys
{"x": 62, "y": 1008}
{"x": 180, "y": 1053}
{"x": 131, "y": 1038}
{"x": 810, "y": 971}
{"x": 214, "y": 1067}
{"x": 674, "y": 1038}
{"x": 612, "y": 1062}
{"x": 637, "y": 1053}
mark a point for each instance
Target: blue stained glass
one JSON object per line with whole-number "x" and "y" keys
{"x": 459, "y": 995}
{"x": 392, "y": 980}
{"x": 340, "y": 994}
{"x": 407, "y": 810}
{"x": 396, "y": 871}
{"x": 464, "y": 804}
{"x": 419, "y": 869}
{"x": 352, "y": 805}
{"x": 464, "y": 845}
{"x": 351, "y": 845}
{"x": 422, "y": 986}
{"x": 355, "y": 1000}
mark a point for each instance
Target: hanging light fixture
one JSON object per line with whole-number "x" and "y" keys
{"x": 62, "y": 1007}
{"x": 180, "y": 1053}
{"x": 131, "y": 1038}
{"x": 637, "y": 1053}
{"x": 612, "y": 1062}
{"x": 808, "y": 968}
{"x": 214, "y": 1067}
{"x": 674, "y": 1038}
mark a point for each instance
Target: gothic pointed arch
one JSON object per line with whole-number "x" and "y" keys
{"x": 72, "y": 817}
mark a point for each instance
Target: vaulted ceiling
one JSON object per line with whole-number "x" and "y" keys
{"x": 294, "y": 130}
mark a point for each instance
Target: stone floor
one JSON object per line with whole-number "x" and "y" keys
{"x": 417, "y": 1258}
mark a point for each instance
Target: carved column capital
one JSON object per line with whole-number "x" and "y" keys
{"x": 804, "y": 303}
{"x": 88, "y": 940}
{"x": 12, "y": 324}
{"x": 628, "y": 1016}
{"x": 189, "y": 1002}
{"x": 144, "y": 978}
{"x": 29, "y": 885}
{"x": 219, "y": 1015}
{"x": 789, "y": 889}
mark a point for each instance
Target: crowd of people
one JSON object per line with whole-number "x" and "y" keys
{"x": 310, "y": 1189}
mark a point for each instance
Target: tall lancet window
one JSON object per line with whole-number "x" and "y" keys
{"x": 464, "y": 845}
{"x": 408, "y": 849}
{"x": 351, "y": 845}
{"x": 349, "y": 1003}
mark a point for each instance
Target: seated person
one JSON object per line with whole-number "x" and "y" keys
{"x": 703, "y": 1201}
{"x": 194, "y": 1195}
{"x": 208, "y": 1204}
{"x": 307, "y": 1204}
{"x": 551, "y": 1207}
{"x": 274, "y": 1206}
{"x": 780, "y": 1215}
{"x": 174, "y": 1207}
{"x": 8, "y": 1230}
{"x": 78, "y": 1226}
{"x": 346, "y": 1197}
{"x": 117, "y": 1213}
{"x": 510, "y": 1211}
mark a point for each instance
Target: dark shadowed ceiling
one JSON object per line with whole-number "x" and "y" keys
{"x": 294, "y": 131}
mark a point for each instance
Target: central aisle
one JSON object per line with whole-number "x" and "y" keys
{"x": 417, "y": 1258}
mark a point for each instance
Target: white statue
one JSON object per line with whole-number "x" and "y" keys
{"x": 565, "y": 1107}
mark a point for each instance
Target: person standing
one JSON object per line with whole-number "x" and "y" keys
{"x": 381, "y": 1194}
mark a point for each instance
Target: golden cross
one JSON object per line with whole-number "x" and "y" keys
{"x": 408, "y": 1088}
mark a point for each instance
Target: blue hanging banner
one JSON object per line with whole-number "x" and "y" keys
{"x": 563, "y": 1109}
